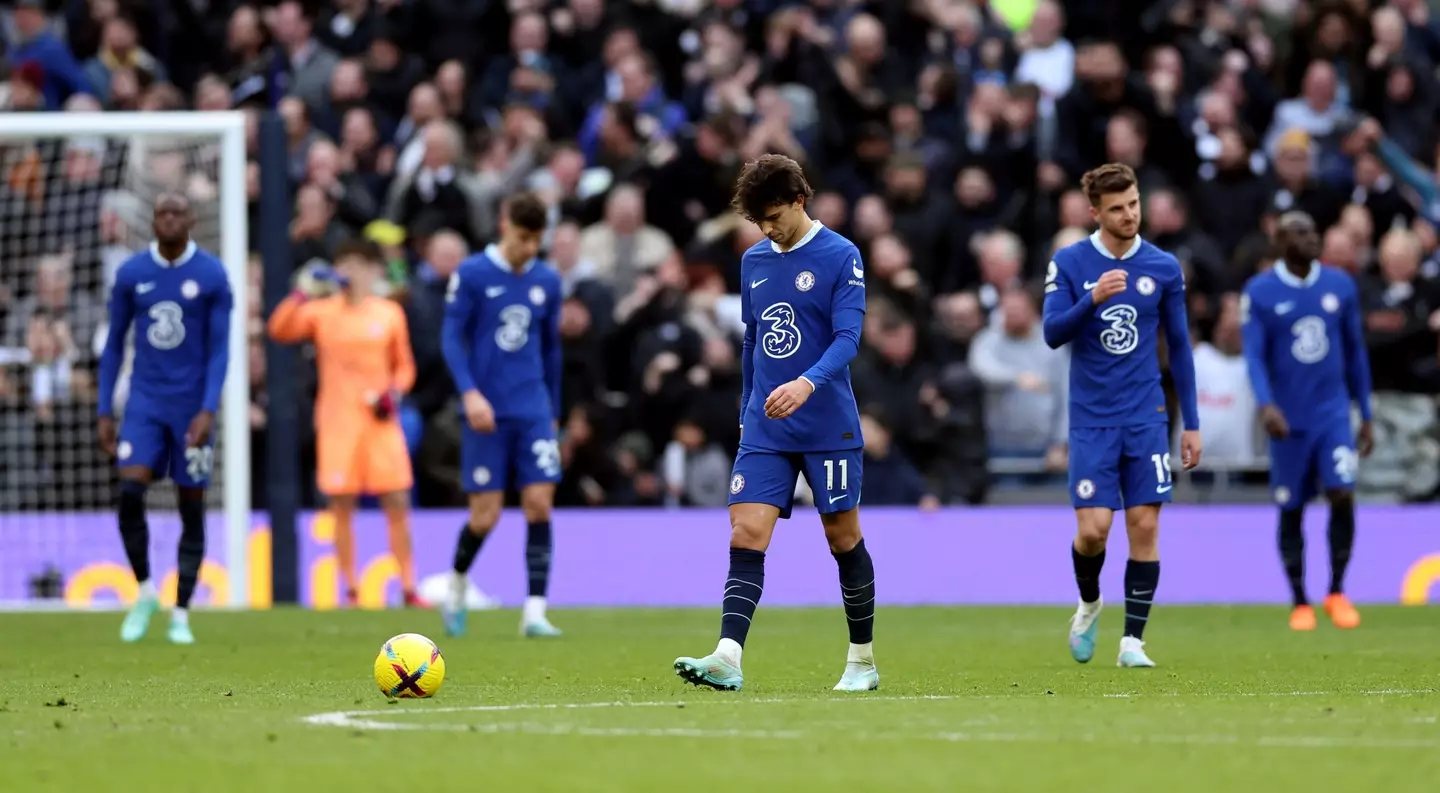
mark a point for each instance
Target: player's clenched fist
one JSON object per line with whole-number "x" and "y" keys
{"x": 1190, "y": 446}
{"x": 1274, "y": 422}
{"x": 1110, "y": 284}
{"x": 478, "y": 412}
{"x": 788, "y": 398}
{"x": 109, "y": 435}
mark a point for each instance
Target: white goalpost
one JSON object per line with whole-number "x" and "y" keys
{"x": 76, "y": 191}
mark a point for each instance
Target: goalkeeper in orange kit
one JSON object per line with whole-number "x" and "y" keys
{"x": 362, "y": 348}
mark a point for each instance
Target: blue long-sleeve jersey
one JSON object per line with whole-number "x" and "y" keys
{"x": 501, "y": 334}
{"x": 1304, "y": 345}
{"x": 1114, "y": 358}
{"x": 803, "y": 309}
{"x": 181, "y": 314}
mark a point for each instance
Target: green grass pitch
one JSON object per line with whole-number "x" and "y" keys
{"x": 972, "y": 699}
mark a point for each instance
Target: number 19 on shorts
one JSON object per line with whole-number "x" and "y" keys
{"x": 1162, "y": 472}
{"x": 830, "y": 470}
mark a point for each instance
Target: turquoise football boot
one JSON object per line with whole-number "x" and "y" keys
{"x": 137, "y": 622}
{"x": 1084, "y": 626}
{"x": 858, "y": 678}
{"x": 1132, "y": 655}
{"x": 712, "y": 670}
{"x": 180, "y": 632}
{"x": 539, "y": 628}
{"x": 454, "y": 618}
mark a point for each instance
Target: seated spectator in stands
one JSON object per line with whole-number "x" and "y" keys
{"x": 696, "y": 469}
{"x": 1227, "y": 405}
{"x": 1027, "y": 383}
{"x": 623, "y": 245}
{"x": 1402, "y": 319}
{"x": 890, "y": 478}
{"x": 36, "y": 42}
{"x": 120, "y": 49}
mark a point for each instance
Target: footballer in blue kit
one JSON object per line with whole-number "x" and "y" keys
{"x": 1304, "y": 346}
{"x": 177, "y": 297}
{"x": 1109, "y": 297}
{"x": 501, "y": 341}
{"x": 802, "y": 296}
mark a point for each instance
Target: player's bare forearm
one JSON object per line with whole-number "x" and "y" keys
{"x": 200, "y": 429}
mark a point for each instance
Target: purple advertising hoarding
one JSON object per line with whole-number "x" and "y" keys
{"x": 991, "y": 555}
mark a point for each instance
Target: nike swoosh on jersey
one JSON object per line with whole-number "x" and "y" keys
{"x": 1091, "y": 285}
{"x": 1284, "y": 308}
{"x": 837, "y": 498}
{"x": 143, "y": 288}
{"x": 494, "y": 291}
{"x": 1163, "y": 488}
{"x": 754, "y": 284}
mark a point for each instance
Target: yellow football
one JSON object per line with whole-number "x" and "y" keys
{"x": 409, "y": 667}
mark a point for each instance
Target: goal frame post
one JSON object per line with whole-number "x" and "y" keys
{"x": 228, "y": 127}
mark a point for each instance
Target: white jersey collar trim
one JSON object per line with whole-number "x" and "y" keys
{"x": 1100, "y": 246}
{"x": 1292, "y": 280}
{"x": 492, "y": 252}
{"x": 190, "y": 249}
{"x": 815, "y": 227}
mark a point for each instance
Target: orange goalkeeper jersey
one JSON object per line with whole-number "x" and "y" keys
{"x": 362, "y": 351}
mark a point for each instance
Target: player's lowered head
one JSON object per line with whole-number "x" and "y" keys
{"x": 172, "y": 223}
{"x": 1298, "y": 240}
{"x": 522, "y": 228}
{"x": 361, "y": 267}
{"x": 1114, "y": 196}
{"x": 771, "y": 192}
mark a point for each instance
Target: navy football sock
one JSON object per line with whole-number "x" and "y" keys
{"x": 192, "y": 548}
{"x": 537, "y": 556}
{"x": 1292, "y": 553}
{"x": 134, "y": 531}
{"x": 857, "y": 591}
{"x": 1342, "y": 540}
{"x": 1087, "y": 573}
{"x": 1141, "y": 578}
{"x": 467, "y": 547}
{"x": 742, "y": 593}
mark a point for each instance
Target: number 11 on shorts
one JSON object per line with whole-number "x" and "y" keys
{"x": 830, "y": 466}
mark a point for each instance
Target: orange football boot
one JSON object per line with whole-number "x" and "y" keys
{"x": 1342, "y": 612}
{"x": 1302, "y": 618}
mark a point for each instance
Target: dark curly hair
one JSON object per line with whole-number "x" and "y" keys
{"x": 767, "y": 181}
{"x": 527, "y": 211}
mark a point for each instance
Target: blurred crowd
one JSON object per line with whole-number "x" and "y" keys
{"x": 946, "y": 137}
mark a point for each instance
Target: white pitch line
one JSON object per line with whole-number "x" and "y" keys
{"x": 363, "y": 720}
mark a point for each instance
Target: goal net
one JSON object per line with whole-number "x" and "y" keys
{"x": 76, "y": 196}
